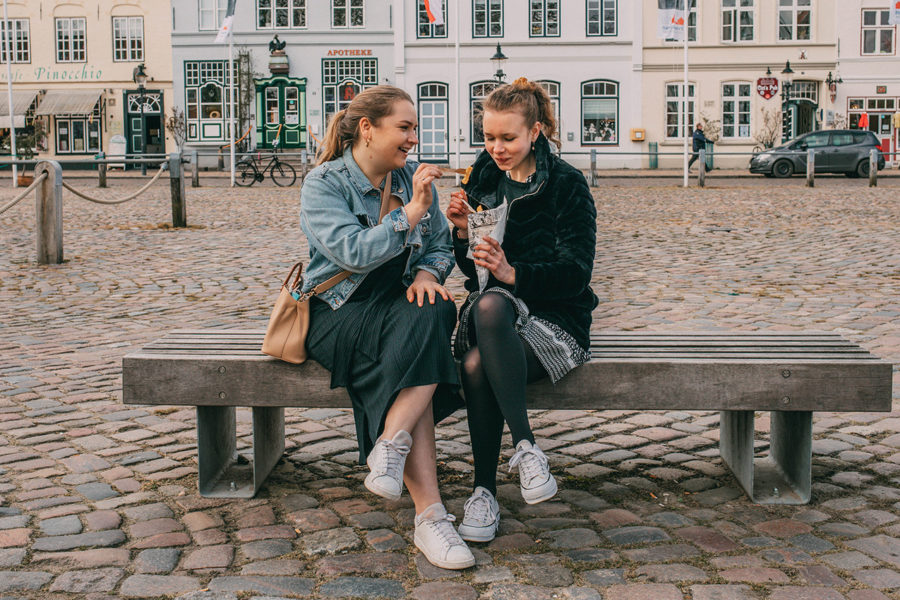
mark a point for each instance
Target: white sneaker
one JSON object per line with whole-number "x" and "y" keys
{"x": 535, "y": 480}
{"x": 482, "y": 517}
{"x": 386, "y": 462}
{"x": 439, "y": 541}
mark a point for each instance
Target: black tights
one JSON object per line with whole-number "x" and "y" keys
{"x": 494, "y": 374}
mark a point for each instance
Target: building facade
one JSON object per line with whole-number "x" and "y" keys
{"x": 72, "y": 69}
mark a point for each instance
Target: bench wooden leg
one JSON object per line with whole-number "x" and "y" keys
{"x": 222, "y": 472}
{"x": 782, "y": 477}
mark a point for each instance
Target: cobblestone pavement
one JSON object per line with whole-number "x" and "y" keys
{"x": 99, "y": 500}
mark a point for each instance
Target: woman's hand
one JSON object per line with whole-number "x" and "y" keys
{"x": 457, "y": 212}
{"x": 426, "y": 284}
{"x": 421, "y": 193}
{"x": 489, "y": 254}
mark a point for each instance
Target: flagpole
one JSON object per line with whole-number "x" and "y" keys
{"x": 231, "y": 94}
{"x": 685, "y": 96}
{"x": 12, "y": 118}
{"x": 457, "y": 84}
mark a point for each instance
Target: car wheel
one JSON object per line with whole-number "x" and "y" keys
{"x": 783, "y": 168}
{"x": 862, "y": 169}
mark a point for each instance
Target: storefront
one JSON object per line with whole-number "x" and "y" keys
{"x": 877, "y": 114}
{"x": 144, "y": 121}
{"x": 75, "y": 120}
{"x": 281, "y": 112}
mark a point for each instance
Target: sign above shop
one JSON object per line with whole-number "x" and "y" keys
{"x": 83, "y": 72}
{"x": 767, "y": 87}
{"x": 881, "y": 89}
{"x": 346, "y": 52}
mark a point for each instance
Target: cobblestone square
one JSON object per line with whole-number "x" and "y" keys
{"x": 98, "y": 499}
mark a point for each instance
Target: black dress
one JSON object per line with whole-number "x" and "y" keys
{"x": 378, "y": 343}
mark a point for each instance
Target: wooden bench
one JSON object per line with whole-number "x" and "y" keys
{"x": 789, "y": 374}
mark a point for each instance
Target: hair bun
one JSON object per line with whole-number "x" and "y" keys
{"x": 522, "y": 82}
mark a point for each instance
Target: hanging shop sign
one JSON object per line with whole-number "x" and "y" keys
{"x": 767, "y": 87}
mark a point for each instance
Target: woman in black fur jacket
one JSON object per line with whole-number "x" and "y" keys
{"x": 531, "y": 318}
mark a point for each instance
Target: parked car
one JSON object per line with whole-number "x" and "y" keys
{"x": 837, "y": 151}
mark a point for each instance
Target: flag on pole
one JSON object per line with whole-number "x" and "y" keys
{"x": 894, "y": 17}
{"x": 671, "y": 20}
{"x": 225, "y": 30}
{"x": 435, "y": 10}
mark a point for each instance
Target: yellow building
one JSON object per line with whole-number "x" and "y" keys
{"x": 73, "y": 65}
{"x": 731, "y": 46}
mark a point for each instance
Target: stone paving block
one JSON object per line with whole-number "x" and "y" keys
{"x": 61, "y": 525}
{"x": 883, "y": 579}
{"x": 85, "y": 559}
{"x": 311, "y": 520}
{"x": 790, "y": 556}
{"x": 12, "y": 538}
{"x": 722, "y": 592}
{"x": 142, "y": 586}
{"x": 626, "y": 536}
{"x": 257, "y": 516}
{"x": 147, "y": 512}
{"x": 819, "y": 575}
{"x": 14, "y": 581}
{"x": 644, "y": 591}
{"x": 670, "y": 573}
{"x": 866, "y": 595}
{"x": 330, "y": 541}
{"x": 266, "y": 533}
{"x": 492, "y": 574}
{"x": 572, "y": 538}
{"x": 111, "y": 537}
{"x": 102, "y": 519}
{"x": 291, "y": 587}
{"x": 443, "y": 590}
{"x": 426, "y": 570}
{"x": 754, "y": 575}
{"x": 157, "y": 560}
{"x": 210, "y": 537}
{"x": 805, "y": 593}
{"x": 209, "y": 557}
{"x": 370, "y": 564}
{"x": 614, "y": 517}
{"x": 662, "y": 553}
{"x": 12, "y": 557}
{"x": 880, "y": 547}
{"x": 14, "y": 522}
{"x": 81, "y": 582}
{"x": 385, "y": 540}
{"x": 276, "y": 567}
{"x": 264, "y": 549}
{"x": 518, "y": 591}
{"x": 163, "y": 540}
{"x": 707, "y": 539}
{"x": 144, "y": 529}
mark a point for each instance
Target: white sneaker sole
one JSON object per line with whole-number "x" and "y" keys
{"x": 381, "y": 491}
{"x": 477, "y": 534}
{"x": 541, "y": 493}
{"x": 443, "y": 563}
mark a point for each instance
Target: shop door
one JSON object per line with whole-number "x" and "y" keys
{"x": 805, "y": 118}
{"x": 144, "y": 111}
{"x": 281, "y": 113}
{"x": 880, "y": 125}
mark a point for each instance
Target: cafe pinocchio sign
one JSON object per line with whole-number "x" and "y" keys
{"x": 767, "y": 87}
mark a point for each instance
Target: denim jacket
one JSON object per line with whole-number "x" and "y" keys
{"x": 339, "y": 215}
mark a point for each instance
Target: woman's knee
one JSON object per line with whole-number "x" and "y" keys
{"x": 471, "y": 369}
{"x": 492, "y": 310}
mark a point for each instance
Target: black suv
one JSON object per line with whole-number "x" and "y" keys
{"x": 837, "y": 151}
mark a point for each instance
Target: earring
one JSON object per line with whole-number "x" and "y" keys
{"x": 367, "y": 142}
{"x": 532, "y": 146}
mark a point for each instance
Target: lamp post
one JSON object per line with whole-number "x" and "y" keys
{"x": 140, "y": 78}
{"x": 787, "y": 117}
{"x": 832, "y": 84}
{"x": 498, "y": 59}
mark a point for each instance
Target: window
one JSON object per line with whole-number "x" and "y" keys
{"x": 675, "y": 101}
{"x": 552, "y": 89}
{"x": 817, "y": 140}
{"x": 347, "y": 13}
{"x": 736, "y": 110}
{"x": 601, "y": 17}
{"x": 487, "y": 18}
{"x": 280, "y": 14}
{"x": 128, "y": 38}
{"x": 424, "y": 29}
{"x": 877, "y": 32}
{"x": 78, "y": 134}
{"x": 20, "y": 39}
{"x": 599, "y": 112}
{"x": 737, "y": 20}
{"x": 434, "y": 107}
{"x": 71, "y": 45}
{"x": 794, "y": 19}
{"x": 343, "y": 79}
{"x": 478, "y": 91}
{"x": 805, "y": 90}
{"x": 692, "y": 23}
{"x": 544, "y": 16}
{"x": 206, "y": 89}
{"x": 212, "y": 13}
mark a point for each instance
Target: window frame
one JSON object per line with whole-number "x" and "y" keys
{"x": 71, "y": 39}
{"x": 420, "y": 11}
{"x": 736, "y": 26}
{"x": 291, "y": 8}
{"x": 198, "y": 73}
{"x": 794, "y": 10}
{"x": 737, "y": 98}
{"x": 88, "y": 122}
{"x": 349, "y": 8}
{"x": 362, "y": 71}
{"x": 488, "y": 22}
{"x": 18, "y": 40}
{"x": 218, "y": 10}
{"x": 420, "y": 99}
{"x": 492, "y": 83}
{"x": 683, "y": 96}
{"x": 555, "y": 99}
{"x": 543, "y": 24}
{"x": 601, "y": 22}
{"x": 615, "y": 139}
{"x": 878, "y": 28}
{"x": 128, "y": 50}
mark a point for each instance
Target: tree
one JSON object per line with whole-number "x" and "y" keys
{"x": 177, "y": 126}
{"x": 711, "y": 127}
{"x": 770, "y": 132}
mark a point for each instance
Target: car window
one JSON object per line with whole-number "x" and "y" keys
{"x": 843, "y": 139}
{"x": 860, "y": 137}
{"x": 816, "y": 140}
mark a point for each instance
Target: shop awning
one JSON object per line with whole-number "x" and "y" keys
{"x": 22, "y": 100}
{"x": 69, "y": 102}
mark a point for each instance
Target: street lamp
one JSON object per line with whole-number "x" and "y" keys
{"x": 832, "y": 84}
{"x": 787, "y": 79}
{"x": 498, "y": 59}
{"x": 140, "y": 78}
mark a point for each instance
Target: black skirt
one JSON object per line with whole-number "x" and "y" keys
{"x": 378, "y": 343}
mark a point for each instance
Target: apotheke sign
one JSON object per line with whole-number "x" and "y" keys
{"x": 81, "y": 72}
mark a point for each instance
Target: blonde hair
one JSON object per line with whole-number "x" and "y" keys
{"x": 529, "y": 99}
{"x": 374, "y": 104}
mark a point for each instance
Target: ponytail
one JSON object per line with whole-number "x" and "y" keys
{"x": 374, "y": 104}
{"x": 531, "y": 100}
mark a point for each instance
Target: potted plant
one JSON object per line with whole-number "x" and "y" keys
{"x": 26, "y": 143}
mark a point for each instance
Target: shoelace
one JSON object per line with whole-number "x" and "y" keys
{"x": 392, "y": 454}
{"x": 530, "y": 461}
{"x": 445, "y": 531}
{"x": 480, "y": 506}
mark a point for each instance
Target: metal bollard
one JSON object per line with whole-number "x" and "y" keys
{"x": 101, "y": 171}
{"x": 810, "y": 168}
{"x": 195, "y": 169}
{"x": 593, "y": 178}
{"x": 304, "y": 166}
{"x": 176, "y": 185}
{"x": 701, "y": 172}
{"x": 221, "y": 160}
{"x": 48, "y": 209}
{"x": 873, "y": 167}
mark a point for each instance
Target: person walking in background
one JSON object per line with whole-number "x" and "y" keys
{"x": 699, "y": 141}
{"x": 531, "y": 317}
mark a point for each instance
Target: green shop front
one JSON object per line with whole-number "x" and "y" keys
{"x": 281, "y": 112}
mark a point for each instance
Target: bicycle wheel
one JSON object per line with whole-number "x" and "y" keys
{"x": 245, "y": 173}
{"x": 283, "y": 174}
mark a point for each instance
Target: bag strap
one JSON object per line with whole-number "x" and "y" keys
{"x": 330, "y": 283}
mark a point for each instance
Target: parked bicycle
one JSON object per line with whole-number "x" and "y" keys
{"x": 248, "y": 171}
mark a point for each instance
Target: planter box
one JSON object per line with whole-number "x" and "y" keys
{"x": 25, "y": 180}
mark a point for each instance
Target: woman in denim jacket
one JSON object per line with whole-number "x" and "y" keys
{"x": 384, "y": 332}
